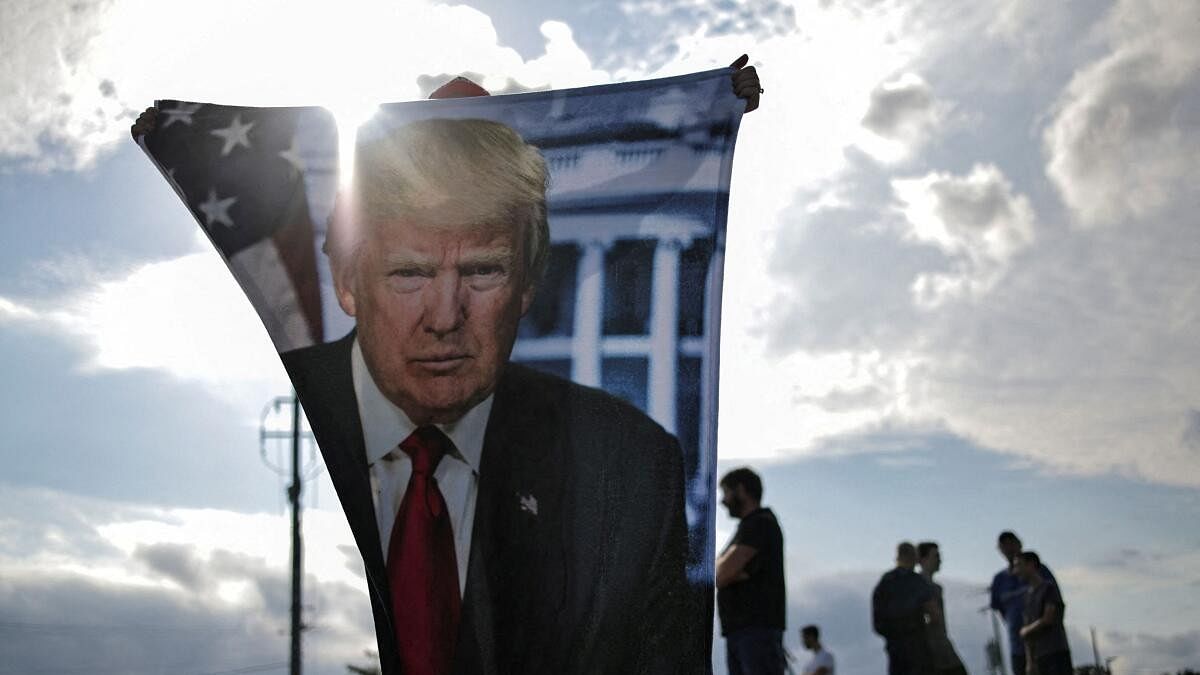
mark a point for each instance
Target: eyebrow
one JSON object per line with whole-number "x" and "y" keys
{"x": 498, "y": 256}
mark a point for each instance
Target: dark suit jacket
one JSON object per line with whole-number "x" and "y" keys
{"x": 594, "y": 582}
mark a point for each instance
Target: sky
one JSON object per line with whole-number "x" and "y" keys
{"x": 960, "y": 297}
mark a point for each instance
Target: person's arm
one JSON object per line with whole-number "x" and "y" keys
{"x": 745, "y": 82}
{"x": 879, "y": 609}
{"x": 731, "y": 566}
{"x": 1048, "y": 618}
{"x": 995, "y": 589}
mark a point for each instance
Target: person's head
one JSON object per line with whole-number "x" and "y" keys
{"x": 741, "y": 491}
{"x": 1028, "y": 566}
{"x": 810, "y": 635}
{"x": 929, "y": 556}
{"x": 906, "y": 555}
{"x": 1009, "y": 546}
{"x": 436, "y": 250}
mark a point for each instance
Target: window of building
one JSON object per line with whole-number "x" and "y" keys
{"x": 625, "y": 376}
{"x": 693, "y": 273}
{"x": 552, "y": 313}
{"x": 628, "y": 280}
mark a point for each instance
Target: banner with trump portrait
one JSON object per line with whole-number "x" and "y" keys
{"x": 501, "y": 315}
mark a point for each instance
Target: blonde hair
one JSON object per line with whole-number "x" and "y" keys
{"x": 446, "y": 173}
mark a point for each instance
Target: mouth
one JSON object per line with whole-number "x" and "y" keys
{"x": 441, "y": 363}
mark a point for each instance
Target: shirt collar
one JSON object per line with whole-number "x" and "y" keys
{"x": 385, "y": 425}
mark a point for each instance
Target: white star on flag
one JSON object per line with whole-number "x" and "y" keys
{"x": 292, "y": 155}
{"x": 217, "y": 210}
{"x": 234, "y": 135}
{"x": 181, "y": 114}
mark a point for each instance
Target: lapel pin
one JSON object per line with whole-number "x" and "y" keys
{"x": 528, "y": 503}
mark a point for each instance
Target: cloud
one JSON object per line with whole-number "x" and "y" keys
{"x": 1142, "y": 652}
{"x": 951, "y": 291}
{"x": 1125, "y": 133}
{"x": 13, "y": 311}
{"x": 56, "y": 109}
{"x": 902, "y": 115}
{"x": 177, "y": 562}
{"x": 647, "y": 21}
{"x": 185, "y": 316}
{"x": 166, "y": 586}
{"x": 977, "y": 220}
{"x": 77, "y": 73}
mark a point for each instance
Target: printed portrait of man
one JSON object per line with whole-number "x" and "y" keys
{"x": 510, "y": 521}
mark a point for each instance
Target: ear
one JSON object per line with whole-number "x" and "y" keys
{"x": 343, "y": 285}
{"x": 527, "y": 297}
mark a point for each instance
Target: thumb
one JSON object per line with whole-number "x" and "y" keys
{"x": 740, "y": 62}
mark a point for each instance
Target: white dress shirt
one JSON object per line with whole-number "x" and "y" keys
{"x": 385, "y": 426}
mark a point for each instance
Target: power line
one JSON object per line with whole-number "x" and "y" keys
{"x": 249, "y": 669}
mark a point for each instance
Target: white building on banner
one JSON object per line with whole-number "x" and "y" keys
{"x": 632, "y": 290}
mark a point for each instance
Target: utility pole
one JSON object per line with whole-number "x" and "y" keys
{"x": 993, "y": 651}
{"x": 1096, "y": 653}
{"x": 1000, "y": 669}
{"x": 297, "y": 544}
{"x": 294, "y": 492}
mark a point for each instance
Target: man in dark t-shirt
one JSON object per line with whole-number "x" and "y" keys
{"x": 899, "y": 604}
{"x": 1043, "y": 631}
{"x": 750, "y": 588}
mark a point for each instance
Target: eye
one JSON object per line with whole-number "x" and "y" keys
{"x": 408, "y": 279}
{"x": 406, "y": 273}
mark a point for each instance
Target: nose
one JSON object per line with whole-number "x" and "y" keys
{"x": 445, "y": 305}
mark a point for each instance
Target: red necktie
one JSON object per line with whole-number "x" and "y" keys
{"x": 422, "y": 568}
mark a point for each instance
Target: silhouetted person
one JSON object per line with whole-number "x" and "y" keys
{"x": 1042, "y": 630}
{"x": 899, "y": 605}
{"x": 750, "y": 589}
{"x": 821, "y": 662}
{"x": 945, "y": 659}
{"x": 1008, "y": 597}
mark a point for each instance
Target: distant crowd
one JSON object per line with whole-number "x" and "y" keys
{"x": 907, "y": 609}
{"x": 908, "y": 612}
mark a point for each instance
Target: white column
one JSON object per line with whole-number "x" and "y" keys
{"x": 664, "y": 331}
{"x": 589, "y": 313}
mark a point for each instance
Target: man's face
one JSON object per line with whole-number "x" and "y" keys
{"x": 932, "y": 560}
{"x": 437, "y": 312}
{"x": 734, "y": 499}
{"x": 1023, "y": 569}
{"x": 1009, "y": 548}
{"x": 810, "y": 642}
